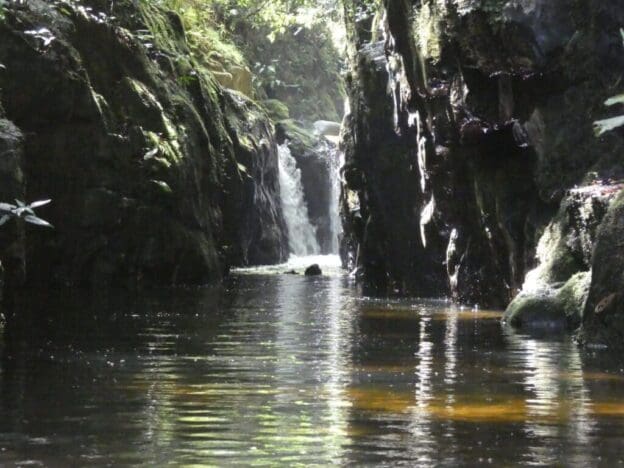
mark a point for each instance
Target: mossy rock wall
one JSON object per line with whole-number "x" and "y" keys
{"x": 139, "y": 147}
{"x": 603, "y": 321}
{"x": 470, "y": 125}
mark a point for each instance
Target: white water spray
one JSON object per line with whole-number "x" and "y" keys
{"x": 336, "y": 161}
{"x": 301, "y": 233}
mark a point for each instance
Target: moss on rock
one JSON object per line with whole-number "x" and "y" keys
{"x": 560, "y": 308}
{"x": 603, "y": 322}
{"x": 276, "y": 109}
{"x": 122, "y": 117}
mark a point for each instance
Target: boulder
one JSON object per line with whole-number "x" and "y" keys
{"x": 560, "y": 281}
{"x": 313, "y": 270}
{"x": 560, "y": 308}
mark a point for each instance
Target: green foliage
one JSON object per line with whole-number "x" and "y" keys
{"x": 277, "y": 15}
{"x": 273, "y": 16}
{"x": 300, "y": 68}
{"x": 606, "y": 125}
{"x": 285, "y": 43}
{"x": 23, "y": 211}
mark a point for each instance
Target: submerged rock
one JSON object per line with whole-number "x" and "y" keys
{"x": 313, "y": 270}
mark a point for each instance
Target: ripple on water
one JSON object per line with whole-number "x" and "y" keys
{"x": 287, "y": 370}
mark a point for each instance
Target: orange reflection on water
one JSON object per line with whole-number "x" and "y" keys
{"x": 504, "y": 410}
{"x": 510, "y": 411}
{"x": 371, "y": 399}
{"x": 607, "y": 409}
{"x": 595, "y": 376}
{"x": 416, "y": 314}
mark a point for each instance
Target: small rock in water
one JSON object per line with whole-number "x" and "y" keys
{"x": 291, "y": 272}
{"x": 313, "y": 270}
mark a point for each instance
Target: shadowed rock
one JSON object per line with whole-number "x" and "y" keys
{"x": 313, "y": 270}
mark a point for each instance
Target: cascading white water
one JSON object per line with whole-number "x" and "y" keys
{"x": 336, "y": 161}
{"x": 301, "y": 233}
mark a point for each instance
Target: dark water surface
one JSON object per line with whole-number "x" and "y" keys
{"x": 283, "y": 370}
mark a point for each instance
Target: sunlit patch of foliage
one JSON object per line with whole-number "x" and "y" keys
{"x": 606, "y": 125}
{"x": 21, "y": 210}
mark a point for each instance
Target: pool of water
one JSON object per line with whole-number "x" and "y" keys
{"x": 284, "y": 370}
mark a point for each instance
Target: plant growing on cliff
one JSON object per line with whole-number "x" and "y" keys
{"x": 606, "y": 125}
{"x": 23, "y": 211}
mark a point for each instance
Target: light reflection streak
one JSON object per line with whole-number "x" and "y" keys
{"x": 340, "y": 331}
{"x": 450, "y": 374}
{"x": 555, "y": 405}
{"x": 423, "y": 394}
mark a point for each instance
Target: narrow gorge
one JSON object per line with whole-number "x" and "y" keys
{"x": 311, "y": 233}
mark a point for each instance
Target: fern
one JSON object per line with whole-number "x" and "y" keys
{"x": 606, "y": 125}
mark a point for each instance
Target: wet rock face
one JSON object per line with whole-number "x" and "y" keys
{"x": 11, "y": 187}
{"x": 254, "y": 225}
{"x": 153, "y": 174}
{"x": 603, "y": 323}
{"x": 470, "y": 124}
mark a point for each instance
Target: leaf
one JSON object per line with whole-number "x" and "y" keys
{"x": 21, "y": 204}
{"x": 4, "y": 219}
{"x": 619, "y": 99}
{"x": 151, "y": 153}
{"x": 606, "y": 125}
{"x": 20, "y": 211}
{"x": 39, "y": 203}
{"x": 7, "y": 207}
{"x": 36, "y": 220}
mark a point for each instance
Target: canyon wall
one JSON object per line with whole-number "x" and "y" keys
{"x": 472, "y": 167}
{"x": 157, "y": 174}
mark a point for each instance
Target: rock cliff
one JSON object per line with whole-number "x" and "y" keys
{"x": 472, "y": 167}
{"x": 158, "y": 175}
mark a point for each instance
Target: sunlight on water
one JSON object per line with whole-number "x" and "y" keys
{"x": 329, "y": 264}
{"x": 283, "y": 370}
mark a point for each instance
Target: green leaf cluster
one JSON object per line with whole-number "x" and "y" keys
{"x": 21, "y": 210}
{"x": 606, "y": 125}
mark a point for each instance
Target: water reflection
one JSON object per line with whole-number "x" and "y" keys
{"x": 558, "y": 402}
{"x": 286, "y": 370}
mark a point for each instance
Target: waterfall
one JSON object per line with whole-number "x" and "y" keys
{"x": 301, "y": 233}
{"x": 336, "y": 161}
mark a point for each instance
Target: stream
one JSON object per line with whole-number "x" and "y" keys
{"x": 286, "y": 370}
